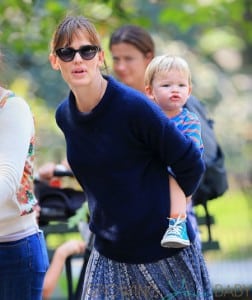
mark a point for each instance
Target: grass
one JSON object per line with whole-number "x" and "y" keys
{"x": 233, "y": 223}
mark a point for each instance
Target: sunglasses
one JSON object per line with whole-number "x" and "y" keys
{"x": 87, "y": 52}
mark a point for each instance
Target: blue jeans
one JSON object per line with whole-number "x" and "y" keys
{"x": 23, "y": 265}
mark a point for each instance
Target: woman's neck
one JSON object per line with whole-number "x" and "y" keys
{"x": 140, "y": 88}
{"x": 88, "y": 97}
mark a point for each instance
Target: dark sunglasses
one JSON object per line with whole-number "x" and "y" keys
{"x": 87, "y": 52}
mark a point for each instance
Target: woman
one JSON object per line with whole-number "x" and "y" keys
{"x": 23, "y": 254}
{"x": 132, "y": 48}
{"x": 119, "y": 145}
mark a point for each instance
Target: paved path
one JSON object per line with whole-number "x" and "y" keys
{"x": 231, "y": 272}
{"x": 231, "y": 278}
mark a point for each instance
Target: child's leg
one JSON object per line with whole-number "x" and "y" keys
{"x": 177, "y": 199}
{"x": 176, "y": 234}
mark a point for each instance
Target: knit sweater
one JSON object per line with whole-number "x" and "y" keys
{"x": 119, "y": 153}
{"x": 16, "y": 165}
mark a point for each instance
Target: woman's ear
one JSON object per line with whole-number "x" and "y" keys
{"x": 149, "y": 56}
{"x": 101, "y": 58}
{"x": 54, "y": 62}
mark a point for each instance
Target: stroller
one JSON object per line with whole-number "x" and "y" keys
{"x": 57, "y": 205}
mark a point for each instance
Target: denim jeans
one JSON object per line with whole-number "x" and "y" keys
{"x": 23, "y": 265}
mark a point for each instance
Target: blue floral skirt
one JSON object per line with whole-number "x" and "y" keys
{"x": 182, "y": 277}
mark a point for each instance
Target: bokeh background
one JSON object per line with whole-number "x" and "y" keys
{"x": 215, "y": 36}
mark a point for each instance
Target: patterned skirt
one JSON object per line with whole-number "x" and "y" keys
{"x": 182, "y": 277}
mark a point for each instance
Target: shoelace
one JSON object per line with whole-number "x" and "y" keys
{"x": 175, "y": 228}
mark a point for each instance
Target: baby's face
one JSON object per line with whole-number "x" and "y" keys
{"x": 170, "y": 90}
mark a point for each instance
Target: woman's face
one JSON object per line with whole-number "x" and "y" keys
{"x": 129, "y": 64}
{"x": 78, "y": 72}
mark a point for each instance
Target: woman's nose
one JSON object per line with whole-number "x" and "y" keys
{"x": 77, "y": 57}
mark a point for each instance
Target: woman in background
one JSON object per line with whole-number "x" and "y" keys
{"x": 132, "y": 48}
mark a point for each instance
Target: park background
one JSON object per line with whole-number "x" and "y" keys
{"x": 215, "y": 36}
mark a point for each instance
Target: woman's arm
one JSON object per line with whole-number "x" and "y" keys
{"x": 17, "y": 128}
{"x": 169, "y": 145}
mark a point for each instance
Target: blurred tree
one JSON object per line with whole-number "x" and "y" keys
{"x": 215, "y": 35}
{"x": 210, "y": 27}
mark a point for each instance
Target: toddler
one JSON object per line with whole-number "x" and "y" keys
{"x": 168, "y": 83}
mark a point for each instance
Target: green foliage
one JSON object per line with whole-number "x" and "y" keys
{"x": 217, "y": 38}
{"x": 82, "y": 215}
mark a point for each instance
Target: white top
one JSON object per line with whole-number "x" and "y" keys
{"x": 17, "y": 219}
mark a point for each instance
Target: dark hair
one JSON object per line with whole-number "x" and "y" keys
{"x": 73, "y": 26}
{"x": 135, "y": 36}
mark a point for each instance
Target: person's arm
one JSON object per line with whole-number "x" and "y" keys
{"x": 60, "y": 255}
{"x": 16, "y": 123}
{"x": 46, "y": 171}
{"x": 169, "y": 145}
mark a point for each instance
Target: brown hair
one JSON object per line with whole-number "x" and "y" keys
{"x": 71, "y": 27}
{"x": 135, "y": 36}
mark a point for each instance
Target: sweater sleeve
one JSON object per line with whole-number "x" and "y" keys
{"x": 173, "y": 148}
{"x": 17, "y": 127}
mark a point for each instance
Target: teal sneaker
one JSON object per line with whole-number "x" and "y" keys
{"x": 176, "y": 234}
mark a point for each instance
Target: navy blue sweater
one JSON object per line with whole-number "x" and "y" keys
{"x": 119, "y": 153}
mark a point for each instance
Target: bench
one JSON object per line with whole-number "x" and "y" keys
{"x": 207, "y": 221}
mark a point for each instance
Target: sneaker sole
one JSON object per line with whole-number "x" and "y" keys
{"x": 175, "y": 243}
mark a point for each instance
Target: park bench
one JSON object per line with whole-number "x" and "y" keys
{"x": 206, "y": 221}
